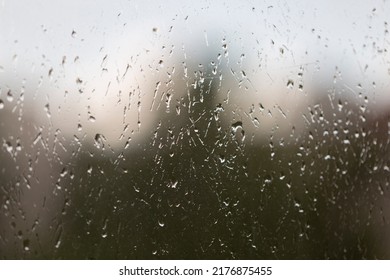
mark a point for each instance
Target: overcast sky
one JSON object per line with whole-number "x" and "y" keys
{"x": 56, "y": 48}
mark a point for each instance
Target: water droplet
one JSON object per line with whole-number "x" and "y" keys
{"x": 99, "y": 141}
{"x": 127, "y": 144}
{"x": 10, "y": 97}
{"x": 290, "y": 84}
{"x": 1, "y": 104}
{"x": 8, "y": 147}
{"x": 37, "y": 138}
{"x": 236, "y": 126}
{"x": 26, "y": 244}
{"x": 47, "y": 110}
{"x": 18, "y": 145}
{"x": 173, "y": 185}
{"x": 58, "y": 244}
{"x": 261, "y": 107}
{"x": 64, "y": 172}
{"x": 59, "y": 235}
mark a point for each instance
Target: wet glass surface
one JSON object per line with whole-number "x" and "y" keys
{"x": 167, "y": 130}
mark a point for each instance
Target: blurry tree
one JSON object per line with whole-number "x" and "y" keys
{"x": 200, "y": 188}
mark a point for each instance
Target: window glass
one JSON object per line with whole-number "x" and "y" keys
{"x": 194, "y": 130}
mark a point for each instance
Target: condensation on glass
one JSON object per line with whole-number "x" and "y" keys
{"x": 194, "y": 130}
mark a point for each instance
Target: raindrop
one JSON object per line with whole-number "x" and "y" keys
{"x": 290, "y": 84}
{"x": 173, "y": 185}
{"x": 99, "y": 141}
{"x": 37, "y": 138}
{"x": 236, "y": 126}
{"x": 127, "y": 144}
{"x": 10, "y": 97}
{"x": 18, "y": 145}
{"x": 58, "y": 239}
{"x": 261, "y": 107}
{"x": 58, "y": 244}
{"x": 8, "y": 147}
{"x": 26, "y": 245}
{"x": 64, "y": 171}
{"x": 47, "y": 110}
